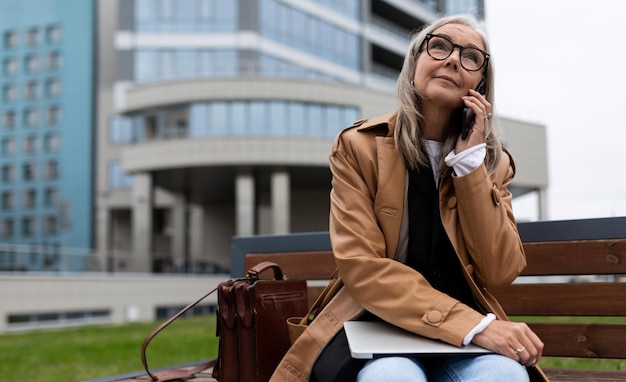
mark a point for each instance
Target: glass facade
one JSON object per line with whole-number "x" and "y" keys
{"x": 186, "y": 16}
{"x": 45, "y": 69}
{"x": 28, "y": 115}
{"x": 234, "y": 119}
{"x": 290, "y": 26}
{"x": 153, "y": 65}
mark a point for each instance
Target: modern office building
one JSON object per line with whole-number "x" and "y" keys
{"x": 46, "y": 133}
{"x": 215, "y": 118}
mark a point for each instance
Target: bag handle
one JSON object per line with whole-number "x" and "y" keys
{"x": 168, "y": 375}
{"x": 254, "y": 272}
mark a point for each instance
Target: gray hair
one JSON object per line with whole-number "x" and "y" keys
{"x": 409, "y": 120}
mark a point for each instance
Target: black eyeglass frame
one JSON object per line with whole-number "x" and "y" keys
{"x": 454, "y": 46}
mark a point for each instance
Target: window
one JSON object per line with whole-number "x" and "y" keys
{"x": 118, "y": 178}
{"x": 9, "y": 93}
{"x": 177, "y": 124}
{"x": 51, "y": 142}
{"x": 10, "y": 40}
{"x": 29, "y": 199}
{"x": 10, "y": 66}
{"x": 30, "y": 144}
{"x": 32, "y": 35}
{"x": 54, "y": 34}
{"x": 28, "y": 226}
{"x": 8, "y": 146}
{"x": 7, "y": 200}
{"x": 53, "y": 115}
{"x": 53, "y": 60}
{"x": 53, "y": 87}
{"x": 50, "y": 225}
{"x": 120, "y": 129}
{"x": 8, "y": 173}
{"x": 50, "y": 197}
{"x": 52, "y": 170}
{"x": 31, "y": 90}
{"x": 8, "y": 119}
{"x": 29, "y": 171}
{"x": 7, "y": 228}
{"x": 31, "y": 63}
{"x": 31, "y": 117}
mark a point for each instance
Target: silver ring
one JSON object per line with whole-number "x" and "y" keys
{"x": 488, "y": 116}
{"x": 520, "y": 350}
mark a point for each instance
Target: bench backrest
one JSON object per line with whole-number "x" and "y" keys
{"x": 604, "y": 295}
{"x": 539, "y": 303}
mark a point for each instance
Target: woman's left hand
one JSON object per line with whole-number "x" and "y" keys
{"x": 477, "y": 103}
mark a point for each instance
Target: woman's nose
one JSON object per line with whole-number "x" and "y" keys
{"x": 454, "y": 58}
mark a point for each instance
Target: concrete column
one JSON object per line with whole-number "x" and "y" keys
{"x": 244, "y": 204}
{"x": 543, "y": 203}
{"x": 196, "y": 233}
{"x": 281, "y": 194}
{"x": 143, "y": 197}
{"x": 103, "y": 234}
{"x": 178, "y": 230}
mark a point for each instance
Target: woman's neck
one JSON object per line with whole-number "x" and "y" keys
{"x": 436, "y": 122}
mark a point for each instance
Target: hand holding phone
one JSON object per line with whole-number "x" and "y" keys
{"x": 468, "y": 121}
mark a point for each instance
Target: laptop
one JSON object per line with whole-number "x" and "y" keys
{"x": 373, "y": 339}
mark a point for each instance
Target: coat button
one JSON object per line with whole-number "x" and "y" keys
{"x": 452, "y": 202}
{"x": 434, "y": 317}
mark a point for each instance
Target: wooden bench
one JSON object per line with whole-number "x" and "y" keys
{"x": 593, "y": 252}
{"x": 598, "y": 264}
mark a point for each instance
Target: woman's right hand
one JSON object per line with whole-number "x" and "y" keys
{"x": 512, "y": 339}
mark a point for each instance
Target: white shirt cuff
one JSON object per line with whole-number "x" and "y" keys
{"x": 466, "y": 161}
{"x": 479, "y": 328}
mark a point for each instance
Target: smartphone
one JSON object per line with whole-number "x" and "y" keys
{"x": 468, "y": 122}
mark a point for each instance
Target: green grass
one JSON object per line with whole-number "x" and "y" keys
{"x": 85, "y": 353}
{"x": 93, "y": 352}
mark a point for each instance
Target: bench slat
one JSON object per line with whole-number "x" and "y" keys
{"x": 573, "y": 299}
{"x": 583, "y": 340}
{"x": 578, "y": 375}
{"x": 589, "y": 257}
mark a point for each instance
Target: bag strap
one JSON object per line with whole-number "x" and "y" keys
{"x": 168, "y": 375}
{"x": 335, "y": 283}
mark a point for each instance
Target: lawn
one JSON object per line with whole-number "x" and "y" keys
{"x": 85, "y": 353}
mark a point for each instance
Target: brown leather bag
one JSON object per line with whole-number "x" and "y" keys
{"x": 251, "y": 326}
{"x": 252, "y": 316}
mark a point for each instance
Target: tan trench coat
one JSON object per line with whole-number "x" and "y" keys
{"x": 368, "y": 229}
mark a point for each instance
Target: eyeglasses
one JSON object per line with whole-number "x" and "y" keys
{"x": 440, "y": 47}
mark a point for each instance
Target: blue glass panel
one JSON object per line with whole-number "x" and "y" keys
{"x": 219, "y": 113}
{"x": 120, "y": 129}
{"x": 186, "y": 64}
{"x": 258, "y": 113}
{"x": 316, "y": 121}
{"x": 277, "y": 119}
{"x": 239, "y": 122}
{"x": 298, "y": 123}
{"x": 146, "y": 65}
{"x": 198, "y": 120}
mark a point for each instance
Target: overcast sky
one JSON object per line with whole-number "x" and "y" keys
{"x": 562, "y": 64}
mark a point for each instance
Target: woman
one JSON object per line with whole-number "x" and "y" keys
{"x": 421, "y": 223}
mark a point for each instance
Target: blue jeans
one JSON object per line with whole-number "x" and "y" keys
{"x": 482, "y": 368}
